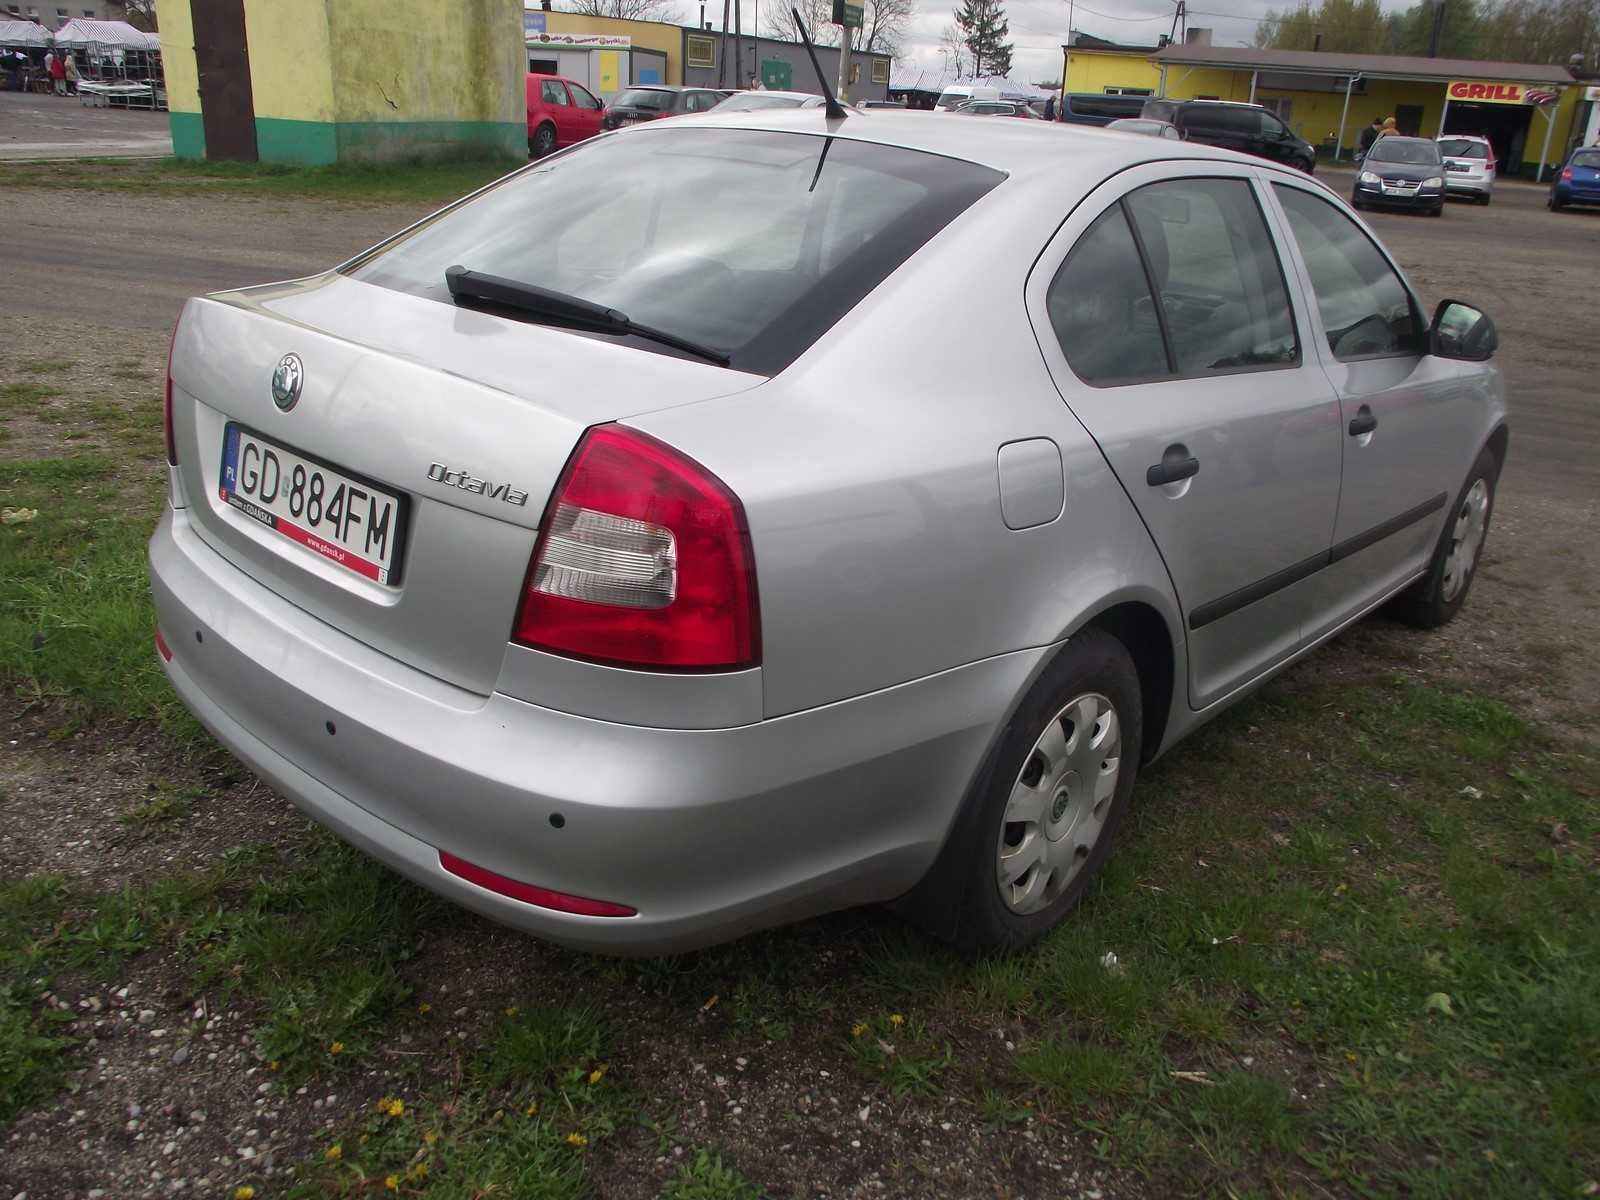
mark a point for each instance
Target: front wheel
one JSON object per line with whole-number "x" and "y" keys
{"x": 1437, "y": 597}
{"x": 1061, "y": 782}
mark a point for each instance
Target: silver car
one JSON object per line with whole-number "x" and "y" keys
{"x": 1469, "y": 166}
{"x": 645, "y": 549}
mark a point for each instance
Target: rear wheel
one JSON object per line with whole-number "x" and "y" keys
{"x": 1435, "y": 599}
{"x": 544, "y": 141}
{"x": 1553, "y": 204}
{"x": 1484, "y": 199}
{"x": 1057, "y": 792}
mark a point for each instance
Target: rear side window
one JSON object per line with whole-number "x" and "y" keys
{"x": 701, "y": 101}
{"x": 752, "y": 243}
{"x": 1365, "y": 308}
{"x": 1101, "y": 308}
{"x": 1202, "y": 245}
{"x": 553, "y": 92}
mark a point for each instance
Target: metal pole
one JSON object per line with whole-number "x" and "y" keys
{"x": 1253, "y": 77}
{"x": 1549, "y": 128}
{"x": 738, "y": 57}
{"x": 722, "y": 53}
{"x": 1162, "y": 90}
{"x": 843, "y": 91}
{"x": 1446, "y": 113}
{"x": 1338, "y": 145}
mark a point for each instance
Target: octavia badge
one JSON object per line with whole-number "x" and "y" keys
{"x": 287, "y": 377}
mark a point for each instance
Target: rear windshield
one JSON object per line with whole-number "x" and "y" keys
{"x": 752, "y": 243}
{"x": 1404, "y": 150}
{"x": 646, "y": 98}
{"x": 751, "y": 101}
{"x": 1586, "y": 158}
{"x": 1461, "y": 148}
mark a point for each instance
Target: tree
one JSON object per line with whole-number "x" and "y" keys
{"x": 954, "y": 51}
{"x": 883, "y": 23}
{"x": 141, "y": 14}
{"x": 982, "y": 28}
{"x": 883, "y": 30}
{"x": 778, "y": 22}
{"x": 628, "y": 10}
{"x": 1534, "y": 31}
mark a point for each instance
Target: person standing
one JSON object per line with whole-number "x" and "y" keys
{"x": 1368, "y": 136}
{"x": 1050, "y": 107}
{"x": 71, "y": 74}
{"x": 58, "y": 72}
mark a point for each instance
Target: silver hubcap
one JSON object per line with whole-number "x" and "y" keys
{"x": 1059, "y": 804}
{"x": 1466, "y": 539}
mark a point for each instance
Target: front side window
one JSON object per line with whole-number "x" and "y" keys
{"x": 1217, "y": 274}
{"x": 1365, "y": 308}
{"x": 1101, "y": 310}
{"x": 750, "y": 243}
{"x": 553, "y": 92}
{"x": 582, "y": 97}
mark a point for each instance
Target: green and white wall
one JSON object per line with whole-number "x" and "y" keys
{"x": 365, "y": 80}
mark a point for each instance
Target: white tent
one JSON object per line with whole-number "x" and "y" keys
{"x": 935, "y": 81}
{"x": 81, "y": 32}
{"x": 24, "y": 33}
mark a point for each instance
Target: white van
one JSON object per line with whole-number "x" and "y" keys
{"x": 961, "y": 93}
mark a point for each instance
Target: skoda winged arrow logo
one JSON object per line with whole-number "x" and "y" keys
{"x": 287, "y": 377}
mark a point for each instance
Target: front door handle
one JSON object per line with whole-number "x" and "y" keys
{"x": 1362, "y": 422}
{"x": 1176, "y": 464}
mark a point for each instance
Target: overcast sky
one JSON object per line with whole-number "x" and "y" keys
{"x": 1039, "y": 27}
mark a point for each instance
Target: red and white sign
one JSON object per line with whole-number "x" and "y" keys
{"x": 1480, "y": 91}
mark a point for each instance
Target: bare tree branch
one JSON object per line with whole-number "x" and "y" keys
{"x": 628, "y": 10}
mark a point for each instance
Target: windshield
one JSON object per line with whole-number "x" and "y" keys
{"x": 751, "y": 243}
{"x": 1586, "y": 158}
{"x": 1461, "y": 148}
{"x": 1413, "y": 151}
{"x": 646, "y": 98}
{"x": 751, "y": 101}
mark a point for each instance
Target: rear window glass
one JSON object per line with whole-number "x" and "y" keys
{"x": 1586, "y": 158}
{"x": 1461, "y": 148}
{"x": 751, "y": 243}
{"x": 753, "y": 101}
{"x": 1413, "y": 151}
{"x": 646, "y": 98}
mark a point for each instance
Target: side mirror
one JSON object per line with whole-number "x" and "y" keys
{"x": 1461, "y": 331}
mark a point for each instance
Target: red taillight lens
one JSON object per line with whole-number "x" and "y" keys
{"x": 1566, "y": 172}
{"x": 529, "y": 893}
{"x": 643, "y": 560}
{"x": 161, "y": 645}
{"x": 166, "y": 411}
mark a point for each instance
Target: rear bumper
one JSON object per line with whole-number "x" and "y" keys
{"x": 1568, "y": 194}
{"x": 708, "y": 834}
{"x": 1467, "y": 185}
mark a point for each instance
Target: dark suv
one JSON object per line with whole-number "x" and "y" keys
{"x": 1248, "y": 128}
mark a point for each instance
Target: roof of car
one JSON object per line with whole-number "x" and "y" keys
{"x": 670, "y": 87}
{"x": 1019, "y": 148}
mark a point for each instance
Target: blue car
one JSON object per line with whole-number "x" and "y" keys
{"x": 1401, "y": 172}
{"x": 1578, "y": 180}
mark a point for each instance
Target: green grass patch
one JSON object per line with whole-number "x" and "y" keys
{"x": 433, "y": 182}
{"x": 707, "y": 1177}
{"x": 45, "y": 366}
{"x": 166, "y": 805}
{"x": 24, "y": 399}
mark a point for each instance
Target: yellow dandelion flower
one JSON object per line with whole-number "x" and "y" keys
{"x": 596, "y": 1075}
{"x": 430, "y": 1137}
{"x": 424, "y": 1008}
{"x": 420, "y": 1171}
{"x": 511, "y": 1011}
{"x": 577, "y": 1139}
{"x": 334, "y": 1152}
{"x": 531, "y": 1110}
{"x": 397, "y": 1108}
{"x": 896, "y": 1020}
{"x": 392, "y": 1182}
{"x": 858, "y": 1030}
{"x": 244, "y": 1192}
{"x": 272, "y": 1064}
{"x": 335, "y": 1047}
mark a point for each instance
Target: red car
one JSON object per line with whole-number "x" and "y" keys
{"x": 560, "y": 112}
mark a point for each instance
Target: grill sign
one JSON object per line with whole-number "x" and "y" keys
{"x": 1478, "y": 91}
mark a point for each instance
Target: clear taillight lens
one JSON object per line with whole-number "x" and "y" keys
{"x": 644, "y": 560}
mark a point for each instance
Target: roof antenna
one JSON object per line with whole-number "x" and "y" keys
{"x": 834, "y": 110}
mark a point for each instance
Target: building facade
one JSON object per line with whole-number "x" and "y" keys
{"x": 53, "y": 16}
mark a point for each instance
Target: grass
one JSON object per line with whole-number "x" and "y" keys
{"x": 706, "y": 1177}
{"x": 429, "y": 182}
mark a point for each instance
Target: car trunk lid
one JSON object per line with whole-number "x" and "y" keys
{"x": 465, "y": 417}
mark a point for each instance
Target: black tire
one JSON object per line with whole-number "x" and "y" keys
{"x": 1430, "y": 602}
{"x": 1356, "y": 204}
{"x": 1553, "y": 204}
{"x": 543, "y": 141}
{"x": 1436, "y": 212}
{"x": 1484, "y": 199}
{"x": 1093, "y": 663}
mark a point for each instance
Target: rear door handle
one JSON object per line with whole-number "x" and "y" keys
{"x": 1362, "y": 422}
{"x": 1176, "y": 464}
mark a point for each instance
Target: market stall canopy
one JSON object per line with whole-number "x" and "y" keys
{"x": 935, "y": 81}
{"x": 81, "y": 32}
{"x": 23, "y": 33}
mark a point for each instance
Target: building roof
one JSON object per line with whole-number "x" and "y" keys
{"x": 1373, "y": 66}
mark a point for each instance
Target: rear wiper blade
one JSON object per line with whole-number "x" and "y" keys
{"x": 499, "y": 291}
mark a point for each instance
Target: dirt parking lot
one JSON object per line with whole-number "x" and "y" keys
{"x": 203, "y": 996}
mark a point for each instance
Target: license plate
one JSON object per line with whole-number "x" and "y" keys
{"x": 1396, "y": 191}
{"x": 342, "y": 517}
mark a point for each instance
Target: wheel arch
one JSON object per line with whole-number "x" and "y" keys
{"x": 1498, "y": 443}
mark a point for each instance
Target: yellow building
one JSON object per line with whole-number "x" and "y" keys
{"x": 322, "y": 81}
{"x": 1527, "y": 110}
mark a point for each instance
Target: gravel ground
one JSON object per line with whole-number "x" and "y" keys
{"x": 170, "y": 1097}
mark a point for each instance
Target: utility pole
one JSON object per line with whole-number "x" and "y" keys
{"x": 722, "y": 53}
{"x": 843, "y": 91}
{"x": 738, "y": 56}
{"x": 1437, "y": 31}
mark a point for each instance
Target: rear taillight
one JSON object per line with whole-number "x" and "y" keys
{"x": 1566, "y": 172}
{"x": 166, "y": 411}
{"x": 643, "y": 560}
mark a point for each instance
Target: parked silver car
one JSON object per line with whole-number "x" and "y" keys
{"x": 1469, "y": 166}
{"x": 644, "y": 550}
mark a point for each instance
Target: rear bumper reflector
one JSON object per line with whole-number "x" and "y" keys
{"x": 527, "y": 893}
{"x": 161, "y": 645}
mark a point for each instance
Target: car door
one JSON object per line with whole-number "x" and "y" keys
{"x": 1406, "y": 416}
{"x": 559, "y": 109}
{"x": 1276, "y": 142}
{"x": 1222, "y": 430}
{"x": 586, "y": 111}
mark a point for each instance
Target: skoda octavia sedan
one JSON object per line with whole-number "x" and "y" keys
{"x": 643, "y": 550}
